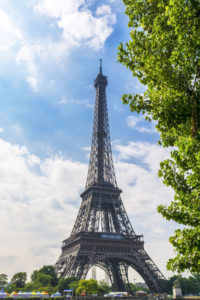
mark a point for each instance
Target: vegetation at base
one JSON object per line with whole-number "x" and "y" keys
{"x": 65, "y": 283}
{"x": 134, "y": 288}
{"x": 47, "y": 270}
{"x": 189, "y": 286}
{"x": 164, "y": 54}
{"x": 43, "y": 282}
{"x": 46, "y": 279}
{"x": 91, "y": 286}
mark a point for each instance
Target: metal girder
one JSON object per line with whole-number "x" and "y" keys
{"x": 102, "y": 212}
{"x": 101, "y": 169}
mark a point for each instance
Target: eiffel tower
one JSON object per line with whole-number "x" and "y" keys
{"x": 102, "y": 234}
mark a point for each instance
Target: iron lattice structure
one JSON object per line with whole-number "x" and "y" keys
{"x": 102, "y": 234}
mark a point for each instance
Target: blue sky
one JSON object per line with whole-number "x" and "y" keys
{"x": 49, "y": 56}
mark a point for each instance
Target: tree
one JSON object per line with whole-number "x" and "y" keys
{"x": 19, "y": 279}
{"x": 88, "y": 286}
{"x": 164, "y": 54}
{"x": 3, "y": 279}
{"x": 74, "y": 285}
{"x": 43, "y": 279}
{"x": 30, "y": 286}
{"x": 190, "y": 285}
{"x": 64, "y": 283}
{"x": 34, "y": 275}
{"x": 50, "y": 270}
{"x": 103, "y": 287}
{"x": 49, "y": 289}
{"x": 47, "y": 270}
{"x": 131, "y": 287}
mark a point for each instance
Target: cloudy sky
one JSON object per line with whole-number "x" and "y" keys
{"x": 49, "y": 57}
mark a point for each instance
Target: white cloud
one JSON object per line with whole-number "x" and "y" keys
{"x": 87, "y": 149}
{"x": 145, "y": 129}
{"x": 55, "y": 8}
{"x": 132, "y": 121}
{"x": 75, "y": 25}
{"x": 10, "y": 34}
{"x": 26, "y": 56}
{"x": 14, "y": 44}
{"x": 78, "y": 24}
{"x": 117, "y": 107}
{"x": 87, "y": 152}
{"x": 86, "y": 102}
{"x": 143, "y": 190}
{"x": 35, "y": 209}
{"x": 102, "y": 10}
{"x": 136, "y": 122}
{"x": 63, "y": 100}
{"x": 17, "y": 128}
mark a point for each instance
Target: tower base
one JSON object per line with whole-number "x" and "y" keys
{"x": 114, "y": 253}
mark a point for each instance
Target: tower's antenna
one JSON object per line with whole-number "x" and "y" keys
{"x": 101, "y": 65}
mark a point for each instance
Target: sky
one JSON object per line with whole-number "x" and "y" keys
{"x": 49, "y": 58}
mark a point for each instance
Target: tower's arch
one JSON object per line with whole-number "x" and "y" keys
{"x": 143, "y": 268}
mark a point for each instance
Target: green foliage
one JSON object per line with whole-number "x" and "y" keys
{"x": 49, "y": 289}
{"x": 132, "y": 287}
{"x": 47, "y": 270}
{"x": 3, "y": 279}
{"x": 64, "y": 283}
{"x": 88, "y": 286}
{"x": 164, "y": 54}
{"x": 43, "y": 279}
{"x": 34, "y": 275}
{"x": 10, "y": 288}
{"x": 103, "y": 288}
{"x": 189, "y": 286}
{"x": 50, "y": 270}
{"x": 165, "y": 57}
{"x": 19, "y": 279}
{"x": 74, "y": 285}
{"x": 30, "y": 286}
{"x": 182, "y": 173}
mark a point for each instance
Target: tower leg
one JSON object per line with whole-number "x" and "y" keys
{"x": 119, "y": 274}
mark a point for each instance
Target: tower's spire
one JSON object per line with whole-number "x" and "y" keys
{"x": 101, "y": 170}
{"x": 101, "y": 65}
